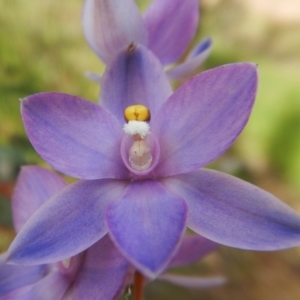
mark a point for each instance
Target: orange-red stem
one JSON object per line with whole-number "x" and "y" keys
{"x": 138, "y": 287}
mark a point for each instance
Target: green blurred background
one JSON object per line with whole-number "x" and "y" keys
{"x": 42, "y": 48}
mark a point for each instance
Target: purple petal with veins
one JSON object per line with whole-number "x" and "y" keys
{"x": 104, "y": 274}
{"x": 75, "y": 136}
{"x": 35, "y": 185}
{"x": 134, "y": 77}
{"x": 171, "y": 25}
{"x": 67, "y": 224}
{"x": 111, "y": 25}
{"x": 15, "y": 277}
{"x": 146, "y": 224}
{"x": 40, "y": 290}
{"x": 204, "y": 117}
{"x": 235, "y": 213}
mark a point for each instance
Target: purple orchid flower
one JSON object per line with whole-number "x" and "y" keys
{"x": 146, "y": 197}
{"x": 100, "y": 272}
{"x": 166, "y": 28}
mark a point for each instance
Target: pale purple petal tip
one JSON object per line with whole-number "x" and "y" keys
{"x": 51, "y": 287}
{"x": 35, "y": 185}
{"x": 67, "y": 224}
{"x": 171, "y": 25}
{"x": 204, "y": 117}
{"x": 147, "y": 224}
{"x": 235, "y": 213}
{"x": 15, "y": 277}
{"x": 75, "y": 136}
{"x": 111, "y": 25}
{"x": 193, "y": 62}
{"x": 194, "y": 282}
{"x": 94, "y": 77}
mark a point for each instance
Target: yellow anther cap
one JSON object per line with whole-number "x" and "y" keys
{"x": 137, "y": 112}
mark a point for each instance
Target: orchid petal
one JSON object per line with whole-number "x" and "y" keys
{"x": 66, "y": 224}
{"x": 51, "y": 287}
{"x": 35, "y": 185}
{"x": 111, "y": 25}
{"x": 204, "y": 117}
{"x": 191, "y": 249}
{"x": 204, "y": 45}
{"x": 146, "y": 224}
{"x": 76, "y": 137}
{"x": 135, "y": 77}
{"x": 193, "y": 281}
{"x": 171, "y": 25}
{"x": 104, "y": 273}
{"x": 193, "y": 62}
{"x": 15, "y": 277}
{"x": 235, "y": 213}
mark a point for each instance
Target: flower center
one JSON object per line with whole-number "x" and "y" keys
{"x": 139, "y": 144}
{"x": 137, "y": 112}
{"x": 140, "y": 156}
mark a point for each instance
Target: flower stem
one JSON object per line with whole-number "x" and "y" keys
{"x": 138, "y": 288}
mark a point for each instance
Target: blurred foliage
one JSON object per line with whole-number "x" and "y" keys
{"x": 42, "y": 48}
{"x": 271, "y": 140}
